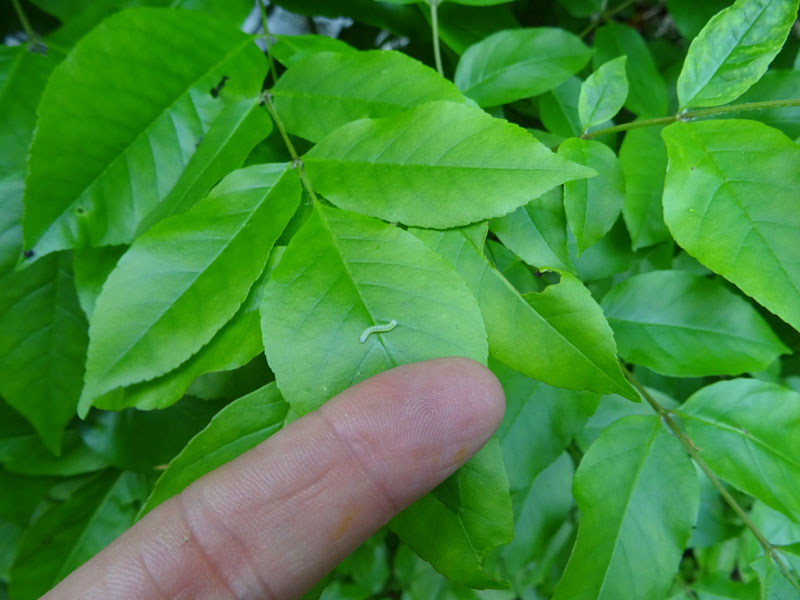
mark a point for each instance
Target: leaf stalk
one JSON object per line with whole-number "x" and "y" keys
{"x": 296, "y": 161}
{"x": 265, "y": 27}
{"x": 437, "y": 51}
{"x": 695, "y": 114}
{"x": 769, "y": 549}
{"x": 603, "y": 17}
{"x": 26, "y": 25}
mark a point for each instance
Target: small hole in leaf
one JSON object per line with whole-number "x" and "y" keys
{"x": 80, "y": 210}
{"x": 27, "y": 253}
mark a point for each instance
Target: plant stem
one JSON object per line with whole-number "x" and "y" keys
{"x": 604, "y": 17}
{"x": 265, "y": 27}
{"x": 691, "y": 449}
{"x": 26, "y": 25}
{"x": 695, "y": 114}
{"x": 296, "y": 162}
{"x": 437, "y": 52}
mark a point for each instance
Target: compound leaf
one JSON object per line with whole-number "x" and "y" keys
{"x": 664, "y": 320}
{"x": 167, "y": 285}
{"x": 323, "y": 91}
{"x": 738, "y": 428}
{"x": 558, "y": 336}
{"x": 240, "y": 426}
{"x": 440, "y": 164}
{"x": 519, "y": 63}
{"x": 650, "y": 513}
{"x": 730, "y": 200}
{"x": 344, "y": 273}
{"x": 101, "y": 162}
{"x": 733, "y": 51}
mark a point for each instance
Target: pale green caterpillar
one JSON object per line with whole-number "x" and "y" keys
{"x": 377, "y": 329}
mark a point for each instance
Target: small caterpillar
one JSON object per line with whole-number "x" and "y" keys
{"x": 377, "y": 329}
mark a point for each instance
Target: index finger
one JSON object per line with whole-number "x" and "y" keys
{"x": 275, "y": 520}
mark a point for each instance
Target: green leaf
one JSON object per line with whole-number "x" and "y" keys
{"x": 558, "y": 108}
{"x": 240, "y": 426}
{"x": 541, "y": 508}
{"x": 563, "y": 319}
{"x": 519, "y": 63}
{"x": 683, "y": 325}
{"x": 455, "y": 538}
{"x": 23, "y": 75}
{"x": 539, "y": 423}
{"x": 592, "y": 205}
{"x": 167, "y": 284}
{"x": 643, "y": 159}
{"x": 343, "y": 274}
{"x": 69, "y": 534}
{"x": 337, "y": 88}
{"x": 233, "y": 346}
{"x": 461, "y": 26}
{"x": 436, "y": 165}
{"x": 603, "y": 93}
{"x": 231, "y": 136}
{"x": 537, "y": 232}
{"x": 741, "y": 178}
{"x": 691, "y": 16}
{"x": 290, "y": 49}
{"x": 647, "y": 96}
{"x": 733, "y": 51}
{"x": 43, "y": 339}
{"x": 612, "y": 408}
{"x": 582, "y": 8}
{"x": 774, "y": 586}
{"x": 734, "y": 425}
{"x": 92, "y": 267}
{"x": 145, "y": 441}
{"x": 101, "y": 162}
{"x": 649, "y": 514}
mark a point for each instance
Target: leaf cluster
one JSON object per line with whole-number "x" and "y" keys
{"x": 208, "y": 229}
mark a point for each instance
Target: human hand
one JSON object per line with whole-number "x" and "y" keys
{"x": 274, "y": 521}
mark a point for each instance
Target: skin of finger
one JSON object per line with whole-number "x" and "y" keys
{"x": 272, "y": 522}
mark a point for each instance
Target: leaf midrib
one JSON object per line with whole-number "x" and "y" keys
{"x": 692, "y": 328}
{"x": 200, "y": 272}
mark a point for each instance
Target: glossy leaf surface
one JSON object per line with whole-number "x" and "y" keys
{"x": 603, "y": 93}
{"x": 455, "y": 538}
{"x": 240, "y": 426}
{"x": 650, "y": 513}
{"x": 519, "y": 63}
{"x": 662, "y": 320}
{"x": 730, "y": 201}
{"x": 101, "y": 162}
{"x": 592, "y": 205}
{"x": 339, "y": 88}
{"x": 438, "y": 165}
{"x": 733, "y": 423}
{"x": 580, "y": 351}
{"x": 733, "y": 51}
{"x": 169, "y": 281}
{"x": 343, "y": 274}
